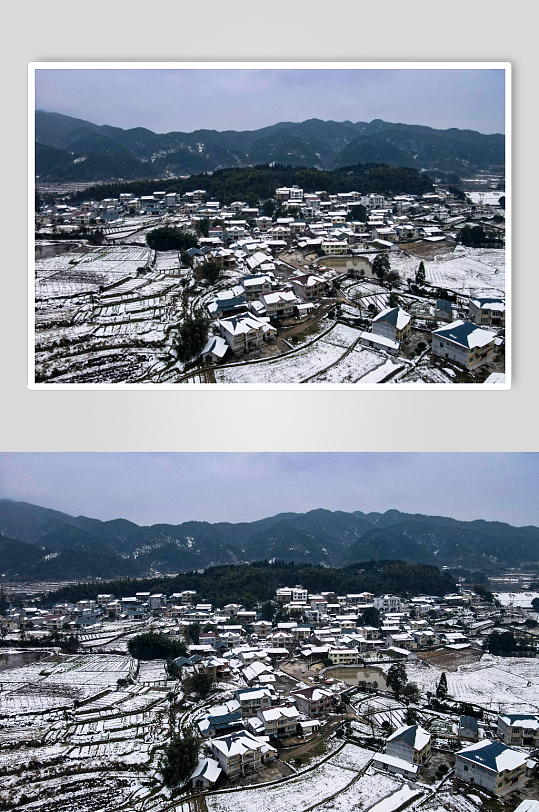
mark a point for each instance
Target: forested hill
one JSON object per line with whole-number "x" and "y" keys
{"x": 256, "y": 183}
{"x": 38, "y": 543}
{"x": 87, "y": 151}
{"x": 248, "y": 583}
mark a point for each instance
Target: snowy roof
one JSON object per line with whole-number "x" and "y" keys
{"x": 237, "y": 744}
{"x": 465, "y": 334}
{"x": 278, "y": 296}
{"x": 396, "y": 316}
{"x": 256, "y": 693}
{"x": 243, "y": 324}
{"x": 209, "y": 768}
{"x": 314, "y": 694}
{"x": 521, "y": 720}
{"x": 414, "y": 735}
{"x": 489, "y": 304}
{"x": 393, "y": 761}
{"x": 279, "y": 712}
{"x": 217, "y": 345}
{"x": 308, "y": 280}
{"x": 493, "y": 755}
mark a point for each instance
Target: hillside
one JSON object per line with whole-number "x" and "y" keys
{"x": 89, "y": 151}
{"x": 38, "y": 543}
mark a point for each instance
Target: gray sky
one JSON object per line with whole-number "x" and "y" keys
{"x": 186, "y": 100}
{"x": 150, "y": 488}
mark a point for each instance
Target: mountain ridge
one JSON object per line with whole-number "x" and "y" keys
{"x": 37, "y": 542}
{"x": 83, "y": 148}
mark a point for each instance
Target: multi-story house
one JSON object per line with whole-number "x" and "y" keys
{"x": 493, "y": 766}
{"x": 255, "y": 285}
{"x": 344, "y": 656}
{"x": 244, "y": 332}
{"x": 241, "y": 752}
{"x": 308, "y": 286}
{"x": 252, "y": 699}
{"x": 279, "y": 721}
{"x": 410, "y": 743}
{"x": 313, "y": 701}
{"x": 464, "y": 343}
{"x": 487, "y": 312}
{"x": 393, "y": 323}
{"x": 521, "y": 729}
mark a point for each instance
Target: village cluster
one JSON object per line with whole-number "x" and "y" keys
{"x": 332, "y": 288}
{"x": 363, "y": 700}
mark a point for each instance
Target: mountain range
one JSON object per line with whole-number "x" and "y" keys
{"x": 38, "y": 543}
{"x": 73, "y": 149}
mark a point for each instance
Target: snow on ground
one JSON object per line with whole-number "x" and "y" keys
{"x": 352, "y": 757}
{"x": 471, "y": 271}
{"x": 292, "y": 368}
{"x": 299, "y": 793}
{"x": 351, "y": 369}
{"x": 380, "y": 372}
{"x": 371, "y": 788}
{"x": 510, "y": 684}
{"x": 397, "y": 799}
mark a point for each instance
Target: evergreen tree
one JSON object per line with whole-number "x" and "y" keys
{"x": 202, "y": 684}
{"x": 180, "y": 758}
{"x": 393, "y": 299}
{"x": 441, "y": 688}
{"x": 192, "y": 336}
{"x": 381, "y": 265}
{"x": 397, "y": 678}
{"x": 420, "y": 273}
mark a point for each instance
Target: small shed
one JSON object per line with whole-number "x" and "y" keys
{"x": 205, "y": 774}
{"x": 468, "y": 728}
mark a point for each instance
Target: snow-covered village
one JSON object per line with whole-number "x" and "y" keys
{"x": 308, "y": 701}
{"x": 301, "y": 288}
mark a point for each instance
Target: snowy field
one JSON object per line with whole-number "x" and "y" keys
{"x": 353, "y": 368}
{"x": 470, "y": 271}
{"x": 300, "y": 792}
{"x": 510, "y": 684}
{"x": 298, "y": 366}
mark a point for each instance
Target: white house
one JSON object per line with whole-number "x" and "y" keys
{"x": 493, "y": 766}
{"x": 464, "y": 343}
{"x": 245, "y": 331}
{"x": 393, "y": 323}
{"x": 410, "y": 743}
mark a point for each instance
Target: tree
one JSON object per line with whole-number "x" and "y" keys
{"x": 535, "y": 604}
{"x": 268, "y": 611}
{"x": 393, "y": 299}
{"x": 458, "y": 193}
{"x": 357, "y": 213}
{"x": 392, "y": 280}
{"x": 155, "y": 646}
{"x": 202, "y": 683}
{"x": 501, "y": 202}
{"x": 202, "y": 227}
{"x": 371, "y": 617}
{"x": 411, "y": 692}
{"x": 268, "y": 207}
{"x": 192, "y": 336}
{"x": 170, "y": 238}
{"x": 173, "y": 670}
{"x": 180, "y": 758}
{"x": 381, "y": 265}
{"x": 194, "y": 633}
{"x": 210, "y": 270}
{"x": 397, "y": 678}
{"x": 441, "y": 688}
{"x": 3, "y": 602}
{"x": 410, "y": 717}
{"x": 420, "y": 273}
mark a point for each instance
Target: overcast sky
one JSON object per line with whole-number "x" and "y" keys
{"x": 191, "y": 99}
{"x": 150, "y": 488}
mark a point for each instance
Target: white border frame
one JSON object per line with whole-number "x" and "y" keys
{"x": 479, "y": 65}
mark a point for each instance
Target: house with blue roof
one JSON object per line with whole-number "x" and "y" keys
{"x": 464, "y": 343}
{"x": 493, "y": 766}
{"x": 409, "y": 743}
{"x": 468, "y": 728}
